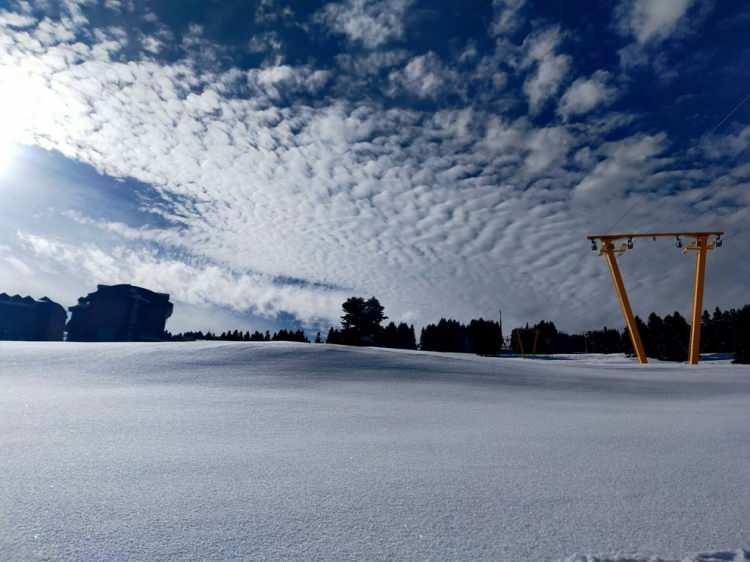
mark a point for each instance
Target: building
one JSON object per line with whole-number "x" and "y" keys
{"x": 24, "y": 318}
{"x": 119, "y": 313}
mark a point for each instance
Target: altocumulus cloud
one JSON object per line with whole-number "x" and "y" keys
{"x": 452, "y": 182}
{"x": 369, "y": 22}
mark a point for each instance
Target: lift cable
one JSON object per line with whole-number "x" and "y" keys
{"x": 710, "y": 131}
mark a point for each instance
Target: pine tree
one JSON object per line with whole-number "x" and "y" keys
{"x": 676, "y": 335}
{"x": 406, "y": 337}
{"x": 333, "y": 335}
{"x": 361, "y": 321}
{"x": 485, "y": 337}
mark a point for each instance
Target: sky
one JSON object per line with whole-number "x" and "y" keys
{"x": 263, "y": 161}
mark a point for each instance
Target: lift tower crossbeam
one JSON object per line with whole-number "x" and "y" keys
{"x": 701, "y": 243}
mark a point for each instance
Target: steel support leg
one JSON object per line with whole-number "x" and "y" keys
{"x": 700, "y": 276}
{"x": 635, "y": 336}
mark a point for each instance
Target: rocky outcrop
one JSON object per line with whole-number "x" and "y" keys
{"x": 119, "y": 313}
{"x": 25, "y": 318}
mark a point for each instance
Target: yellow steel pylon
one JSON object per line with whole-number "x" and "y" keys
{"x": 702, "y": 243}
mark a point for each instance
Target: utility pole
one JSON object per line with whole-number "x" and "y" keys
{"x": 701, "y": 244}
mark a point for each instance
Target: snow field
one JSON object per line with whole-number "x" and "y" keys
{"x": 183, "y": 451}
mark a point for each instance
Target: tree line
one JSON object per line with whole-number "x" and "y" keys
{"x": 664, "y": 338}
{"x": 362, "y": 324}
{"x": 480, "y": 336}
{"x": 237, "y": 335}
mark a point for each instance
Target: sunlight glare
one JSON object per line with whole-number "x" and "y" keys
{"x": 21, "y": 104}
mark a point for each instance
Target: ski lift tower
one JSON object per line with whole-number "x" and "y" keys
{"x": 699, "y": 242}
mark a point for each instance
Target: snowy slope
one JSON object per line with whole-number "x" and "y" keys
{"x": 183, "y": 451}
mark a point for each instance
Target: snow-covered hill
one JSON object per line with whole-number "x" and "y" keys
{"x": 289, "y": 451}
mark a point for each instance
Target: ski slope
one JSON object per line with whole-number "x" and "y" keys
{"x": 186, "y": 451}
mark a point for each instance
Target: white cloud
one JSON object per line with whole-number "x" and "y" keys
{"x": 425, "y": 76}
{"x": 14, "y": 19}
{"x": 652, "y": 20}
{"x": 550, "y": 68}
{"x": 267, "y": 43}
{"x": 547, "y": 146}
{"x": 281, "y": 81}
{"x": 650, "y": 23}
{"x": 114, "y": 5}
{"x": 372, "y": 23}
{"x": 586, "y": 94}
{"x": 627, "y": 164}
{"x": 271, "y": 11}
{"x": 730, "y": 145}
{"x": 151, "y": 44}
{"x": 191, "y": 284}
{"x": 368, "y": 64}
{"x": 508, "y": 16}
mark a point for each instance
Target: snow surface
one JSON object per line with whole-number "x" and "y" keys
{"x": 274, "y": 451}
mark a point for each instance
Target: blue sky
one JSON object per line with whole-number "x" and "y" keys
{"x": 261, "y": 161}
